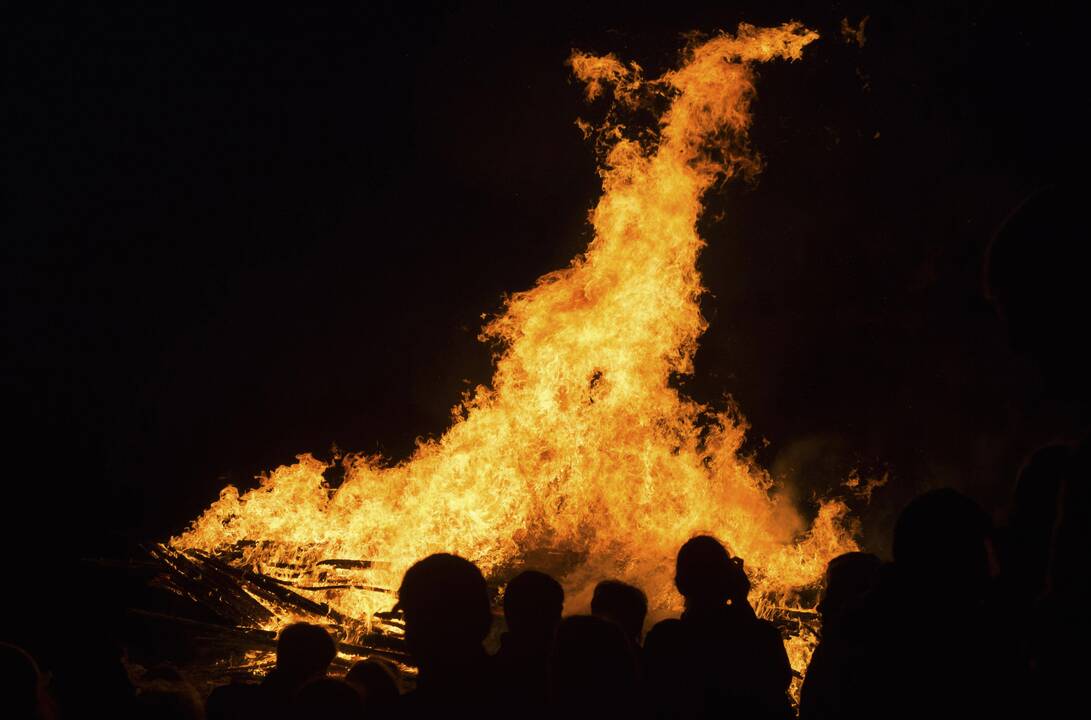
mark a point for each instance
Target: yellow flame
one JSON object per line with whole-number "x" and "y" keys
{"x": 581, "y": 444}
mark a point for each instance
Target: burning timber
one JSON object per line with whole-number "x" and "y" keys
{"x": 255, "y": 597}
{"x": 222, "y": 624}
{"x": 250, "y": 603}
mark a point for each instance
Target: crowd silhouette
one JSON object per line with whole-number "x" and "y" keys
{"x": 941, "y": 631}
{"x": 968, "y": 619}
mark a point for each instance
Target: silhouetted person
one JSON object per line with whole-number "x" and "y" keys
{"x": 1024, "y": 546}
{"x": 376, "y": 682}
{"x": 445, "y": 602}
{"x": 623, "y": 604}
{"x": 941, "y": 547}
{"x": 533, "y": 602}
{"x": 236, "y": 701}
{"x": 593, "y": 670}
{"x": 304, "y": 654}
{"x": 849, "y": 578}
{"x": 329, "y": 699}
{"x": 932, "y": 645}
{"x": 719, "y": 659}
{"x": 20, "y": 684}
{"x": 1038, "y": 276}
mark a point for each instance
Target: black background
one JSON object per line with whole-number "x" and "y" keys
{"x": 240, "y": 233}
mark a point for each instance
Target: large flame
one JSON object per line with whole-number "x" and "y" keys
{"x": 581, "y": 445}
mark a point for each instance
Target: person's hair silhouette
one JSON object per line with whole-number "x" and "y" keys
{"x": 706, "y": 574}
{"x": 376, "y": 681}
{"x": 623, "y": 604}
{"x": 305, "y": 650}
{"x": 304, "y": 654}
{"x": 533, "y": 602}
{"x": 849, "y": 577}
{"x": 940, "y": 544}
{"x": 445, "y": 603}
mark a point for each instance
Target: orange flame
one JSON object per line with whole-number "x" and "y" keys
{"x": 581, "y": 444}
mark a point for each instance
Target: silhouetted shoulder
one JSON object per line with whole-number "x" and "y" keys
{"x": 671, "y": 627}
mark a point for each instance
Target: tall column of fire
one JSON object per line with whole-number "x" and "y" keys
{"x": 580, "y": 444}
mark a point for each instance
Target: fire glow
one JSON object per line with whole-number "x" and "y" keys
{"x": 580, "y": 447}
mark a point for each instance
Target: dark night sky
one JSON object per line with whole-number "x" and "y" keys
{"x": 238, "y": 235}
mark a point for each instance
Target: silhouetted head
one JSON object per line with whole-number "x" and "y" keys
{"x": 305, "y": 651}
{"x": 1038, "y": 277}
{"x": 623, "y": 604}
{"x": 329, "y": 698}
{"x": 376, "y": 682}
{"x": 19, "y": 682}
{"x": 706, "y": 574}
{"x": 533, "y": 602}
{"x": 593, "y": 664}
{"x": 445, "y": 602}
{"x": 940, "y": 543}
{"x": 848, "y": 578}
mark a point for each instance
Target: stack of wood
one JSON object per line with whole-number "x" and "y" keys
{"x": 246, "y": 603}
{"x": 248, "y": 600}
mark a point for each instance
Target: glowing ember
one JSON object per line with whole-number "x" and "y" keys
{"x": 580, "y": 446}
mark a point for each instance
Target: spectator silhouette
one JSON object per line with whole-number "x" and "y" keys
{"x": 593, "y": 669}
{"x": 21, "y": 692}
{"x": 376, "y": 682}
{"x": 445, "y": 602}
{"x": 941, "y": 547}
{"x": 849, "y": 578}
{"x": 623, "y": 604}
{"x": 330, "y": 699}
{"x": 930, "y": 646}
{"x": 533, "y": 602}
{"x": 304, "y": 654}
{"x": 719, "y": 659}
{"x": 1037, "y": 275}
{"x": 1025, "y": 550}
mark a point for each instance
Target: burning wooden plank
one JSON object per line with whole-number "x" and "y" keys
{"x": 217, "y": 591}
{"x": 246, "y": 598}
